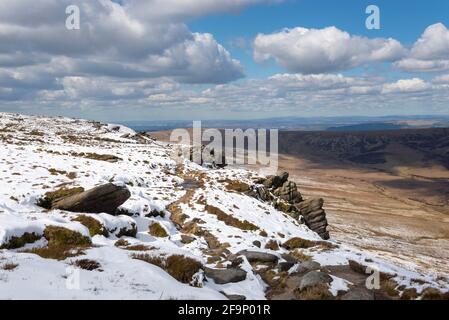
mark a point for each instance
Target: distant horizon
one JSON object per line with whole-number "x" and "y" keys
{"x": 443, "y": 116}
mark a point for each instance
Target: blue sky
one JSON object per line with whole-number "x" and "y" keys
{"x": 404, "y": 20}
{"x": 217, "y": 59}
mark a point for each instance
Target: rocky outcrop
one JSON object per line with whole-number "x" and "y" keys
{"x": 274, "y": 182}
{"x": 223, "y": 276}
{"x": 285, "y": 197}
{"x": 314, "y": 215}
{"x": 288, "y": 192}
{"x": 205, "y": 155}
{"x": 105, "y": 198}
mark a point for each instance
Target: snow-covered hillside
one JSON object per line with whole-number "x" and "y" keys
{"x": 179, "y": 210}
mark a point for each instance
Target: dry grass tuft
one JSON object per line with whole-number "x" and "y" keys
{"x": 138, "y": 247}
{"x": 9, "y": 266}
{"x": 389, "y": 287}
{"x": 237, "y": 186}
{"x": 299, "y": 243}
{"x": 62, "y": 244}
{"x": 121, "y": 243}
{"x": 298, "y": 255}
{"x": 179, "y": 267}
{"x": 87, "y": 264}
{"x": 318, "y": 292}
{"x": 55, "y": 172}
{"x": 434, "y": 294}
{"x": 96, "y": 156}
{"x": 156, "y": 230}
{"x": 94, "y": 226}
{"x": 409, "y": 294}
{"x": 18, "y": 242}
{"x": 272, "y": 245}
{"x": 57, "y": 236}
{"x": 230, "y": 220}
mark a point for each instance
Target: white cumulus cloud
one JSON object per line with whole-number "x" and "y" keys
{"x": 430, "y": 53}
{"x": 406, "y": 85}
{"x": 330, "y": 49}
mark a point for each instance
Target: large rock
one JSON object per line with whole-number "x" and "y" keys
{"x": 263, "y": 194}
{"x": 257, "y": 256}
{"x": 314, "y": 278}
{"x": 205, "y": 155}
{"x": 275, "y": 182}
{"x": 314, "y": 215}
{"x": 288, "y": 192}
{"x": 105, "y": 198}
{"x": 223, "y": 276}
{"x": 285, "y": 265}
{"x": 307, "y": 266}
{"x": 310, "y": 205}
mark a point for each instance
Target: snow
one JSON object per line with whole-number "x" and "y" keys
{"x": 338, "y": 284}
{"x": 36, "y": 156}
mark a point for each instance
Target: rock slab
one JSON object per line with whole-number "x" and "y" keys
{"x": 223, "y": 276}
{"x": 102, "y": 199}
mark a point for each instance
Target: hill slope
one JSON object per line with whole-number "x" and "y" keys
{"x": 179, "y": 236}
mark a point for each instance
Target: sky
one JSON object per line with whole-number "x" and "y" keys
{"x": 223, "y": 59}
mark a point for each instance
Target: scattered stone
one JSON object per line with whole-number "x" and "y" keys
{"x": 314, "y": 278}
{"x": 235, "y": 297}
{"x": 187, "y": 239}
{"x": 223, "y": 276}
{"x": 289, "y": 258}
{"x": 105, "y": 198}
{"x": 256, "y": 256}
{"x": 285, "y": 266}
{"x": 308, "y": 266}
{"x": 257, "y": 243}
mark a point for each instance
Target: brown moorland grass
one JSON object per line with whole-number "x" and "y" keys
{"x": 62, "y": 244}
{"x": 87, "y": 264}
{"x": 179, "y": 267}
{"x": 9, "y": 266}
{"x": 230, "y": 220}
{"x": 299, "y": 243}
{"x": 318, "y": 292}
{"x": 95, "y": 227}
{"x": 156, "y": 230}
{"x": 18, "y": 242}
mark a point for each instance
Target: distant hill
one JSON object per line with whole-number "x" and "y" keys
{"x": 302, "y": 124}
{"x": 368, "y": 127}
{"x": 416, "y": 146}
